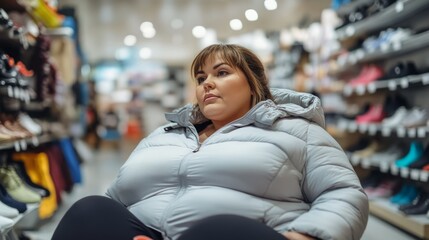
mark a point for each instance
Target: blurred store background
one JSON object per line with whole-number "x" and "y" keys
{"x": 82, "y": 82}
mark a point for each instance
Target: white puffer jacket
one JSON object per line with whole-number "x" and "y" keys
{"x": 276, "y": 164}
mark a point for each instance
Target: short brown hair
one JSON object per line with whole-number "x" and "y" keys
{"x": 241, "y": 58}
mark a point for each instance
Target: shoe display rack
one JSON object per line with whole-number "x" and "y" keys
{"x": 415, "y": 86}
{"x": 30, "y": 122}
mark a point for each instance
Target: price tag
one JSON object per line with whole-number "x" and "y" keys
{"x": 399, "y": 6}
{"x": 342, "y": 60}
{"x": 425, "y": 79}
{"x": 350, "y": 31}
{"x": 360, "y": 90}
{"x": 342, "y": 125}
{"x": 355, "y": 160}
{"x": 365, "y": 163}
{"x": 397, "y": 46}
{"x": 353, "y": 127}
{"x": 372, "y": 88}
{"x": 16, "y": 92}
{"x": 23, "y": 144}
{"x": 363, "y": 128}
{"x": 405, "y": 83}
{"x": 372, "y": 129}
{"x": 394, "y": 169}
{"x": 384, "y": 166}
{"x": 386, "y": 132}
{"x": 401, "y": 132}
{"x": 412, "y": 132}
{"x": 360, "y": 54}
{"x": 424, "y": 175}
{"x": 405, "y": 172}
{"x": 348, "y": 90}
{"x": 35, "y": 141}
{"x": 17, "y": 146}
{"x": 352, "y": 59}
{"x": 391, "y": 85}
{"x": 421, "y": 132}
{"x": 10, "y": 91}
{"x": 415, "y": 174}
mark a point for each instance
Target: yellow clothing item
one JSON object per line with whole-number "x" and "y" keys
{"x": 37, "y": 168}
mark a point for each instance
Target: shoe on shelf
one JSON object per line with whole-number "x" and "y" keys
{"x": 9, "y": 201}
{"x": 7, "y": 211}
{"x": 416, "y": 117}
{"x": 16, "y": 188}
{"x": 415, "y": 153}
{"x": 384, "y": 190}
{"x": 396, "y": 119}
{"x": 371, "y": 149}
{"x": 405, "y": 188}
{"x": 375, "y": 114}
{"x": 409, "y": 196}
{"x": 29, "y": 124}
{"x": 420, "y": 205}
{"x": 386, "y": 157}
{"x": 406, "y": 195}
{"x": 6, "y": 223}
{"x": 422, "y": 161}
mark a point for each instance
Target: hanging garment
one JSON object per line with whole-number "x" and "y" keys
{"x": 71, "y": 160}
{"x": 37, "y": 167}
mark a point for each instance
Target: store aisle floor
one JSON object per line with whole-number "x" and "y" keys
{"x": 101, "y": 170}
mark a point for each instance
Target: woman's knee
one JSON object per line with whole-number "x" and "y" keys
{"x": 90, "y": 204}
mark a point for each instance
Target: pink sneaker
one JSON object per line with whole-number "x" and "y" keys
{"x": 375, "y": 114}
{"x": 369, "y": 74}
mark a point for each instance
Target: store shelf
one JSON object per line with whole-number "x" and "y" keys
{"x": 389, "y": 167}
{"x": 29, "y": 219}
{"x": 417, "y": 225}
{"x": 350, "y": 7}
{"x": 374, "y": 129}
{"x": 394, "y": 14}
{"x": 23, "y": 144}
{"x": 391, "y": 85}
{"x": 414, "y": 43}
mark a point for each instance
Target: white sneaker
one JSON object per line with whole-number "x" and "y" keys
{"x": 29, "y": 124}
{"x": 396, "y": 119}
{"x": 5, "y": 223}
{"x": 7, "y": 211}
{"x": 415, "y": 118}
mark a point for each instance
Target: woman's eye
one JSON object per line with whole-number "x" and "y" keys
{"x": 222, "y": 73}
{"x": 200, "y": 79}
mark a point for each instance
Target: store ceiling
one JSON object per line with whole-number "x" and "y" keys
{"x": 105, "y": 23}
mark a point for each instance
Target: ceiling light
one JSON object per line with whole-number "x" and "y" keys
{"x": 130, "y": 40}
{"x": 199, "y": 31}
{"x": 145, "y": 53}
{"x": 149, "y": 33}
{"x": 235, "y": 24}
{"x": 146, "y": 25}
{"x": 270, "y": 4}
{"x": 251, "y": 15}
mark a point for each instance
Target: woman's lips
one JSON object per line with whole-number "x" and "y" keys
{"x": 210, "y": 97}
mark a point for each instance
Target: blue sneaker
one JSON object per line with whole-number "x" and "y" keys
{"x": 414, "y": 154}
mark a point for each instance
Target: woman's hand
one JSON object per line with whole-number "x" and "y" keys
{"x": 297, "y": 236}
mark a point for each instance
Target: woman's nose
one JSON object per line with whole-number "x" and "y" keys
{"x": 208, "y": 83}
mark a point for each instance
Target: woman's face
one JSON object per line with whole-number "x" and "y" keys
{"x": 223, "y": 93}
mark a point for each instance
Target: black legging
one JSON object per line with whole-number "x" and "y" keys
{"x": 98, "y": 217}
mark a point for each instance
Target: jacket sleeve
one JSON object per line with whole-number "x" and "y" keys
{"x": 339, "y": 206}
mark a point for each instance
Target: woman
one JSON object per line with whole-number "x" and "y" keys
{"x": 243, "y": 163}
